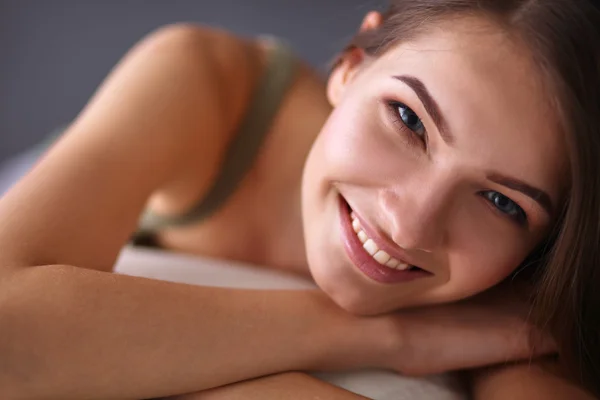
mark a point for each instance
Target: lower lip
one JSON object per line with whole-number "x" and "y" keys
{"x": 363, "y": 260}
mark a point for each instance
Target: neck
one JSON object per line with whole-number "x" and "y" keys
{"x": 285, "y": 247}
{"x": 281, "y": 212}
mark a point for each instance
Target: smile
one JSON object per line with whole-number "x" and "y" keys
{"x": 371, "y": 247}
{"x": 366, "y": 254}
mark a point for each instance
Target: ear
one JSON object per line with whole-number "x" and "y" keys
{"x": 372, "y": 20}
{"x": 350, "y": 62}
{"x": 343, "y": 73}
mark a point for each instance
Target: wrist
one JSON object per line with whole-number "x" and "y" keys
{"x": 343, "y": 341}
{"x": 387, "y": 339}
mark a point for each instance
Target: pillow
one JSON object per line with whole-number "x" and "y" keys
{"x": 375, "y": 384}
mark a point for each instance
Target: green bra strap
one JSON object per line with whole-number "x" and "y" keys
{"x": 275, "y": 82}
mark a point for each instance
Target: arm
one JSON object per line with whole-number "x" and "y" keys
{"x": 69, "y": 328}
{"x": 538, "y": 380}
{"x": 290, "y": 385}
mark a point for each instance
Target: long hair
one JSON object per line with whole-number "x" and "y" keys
{"x": 564, "y": 39}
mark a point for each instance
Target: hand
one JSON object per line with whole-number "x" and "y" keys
{"x": 488, "y": 329}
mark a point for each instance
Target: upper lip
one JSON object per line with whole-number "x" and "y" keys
{"x": 385, "y": 244}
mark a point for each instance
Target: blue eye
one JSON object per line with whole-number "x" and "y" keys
{"x": 411, "y": 119}
{"x": 506, "y": 206}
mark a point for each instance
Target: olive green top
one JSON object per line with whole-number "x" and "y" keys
{"x": 277, "y": 78}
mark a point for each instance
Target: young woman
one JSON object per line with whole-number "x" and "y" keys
{"x": 454, "y": 147}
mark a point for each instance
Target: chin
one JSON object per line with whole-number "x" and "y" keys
{"x": 331, "y": 277}
{"x": 357, "y": 303}
{"x": 334, "y": 274}
{"x": 350, "y": 299}
{"x": 342, "y": 287}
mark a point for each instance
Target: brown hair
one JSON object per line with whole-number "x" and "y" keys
{"x": 564, "y": 37}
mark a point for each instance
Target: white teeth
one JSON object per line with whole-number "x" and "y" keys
{"x": 356, "y": 225}
{"x": 382, "y": 257}
{"x": 370, "y": 247}
{"x": 362, "y": 236}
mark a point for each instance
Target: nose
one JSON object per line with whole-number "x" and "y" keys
{"x": 416, "y": 216}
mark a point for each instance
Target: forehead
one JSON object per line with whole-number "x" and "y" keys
{"x": 492, "y": 96}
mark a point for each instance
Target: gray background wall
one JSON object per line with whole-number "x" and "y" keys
{"x": 54, "y": 53}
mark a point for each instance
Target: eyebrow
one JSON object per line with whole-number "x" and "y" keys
{"x": 431, "y": 106}
{"x": 538, "y": 195}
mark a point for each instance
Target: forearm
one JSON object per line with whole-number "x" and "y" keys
{"x": 524, "y": 382}
{"x": 72, "y": 333}
{"x": 292, "y": 385}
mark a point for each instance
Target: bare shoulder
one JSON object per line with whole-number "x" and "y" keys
{"x": 219, "y": 71}
{"x": 206, "y": 46}
{"x": 195, "y": 54}
{"x": 161, "y": 118}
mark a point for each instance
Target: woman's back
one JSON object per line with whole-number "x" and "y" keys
{"x": 263, "y": 205}
{"x": 261, "y": 200}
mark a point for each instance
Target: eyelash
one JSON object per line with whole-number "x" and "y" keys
{"x": 519, "y": 217}
{"x": 414, "y": 137}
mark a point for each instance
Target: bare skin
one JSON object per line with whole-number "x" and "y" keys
{"x": 291, "y": 385}
{"x": 185, "y": 88}
{"x": 517, "y": 381}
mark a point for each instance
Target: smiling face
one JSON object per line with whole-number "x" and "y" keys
{"x": 446, "y": 154}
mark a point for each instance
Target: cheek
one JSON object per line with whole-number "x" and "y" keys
{"x": 482, "y": 257}
{"x": 356, "y": 145}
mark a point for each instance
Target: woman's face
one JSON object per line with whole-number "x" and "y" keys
{"x": 444, "y": 153}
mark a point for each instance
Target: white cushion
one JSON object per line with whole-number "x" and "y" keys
{"x": 379, "y": 385}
